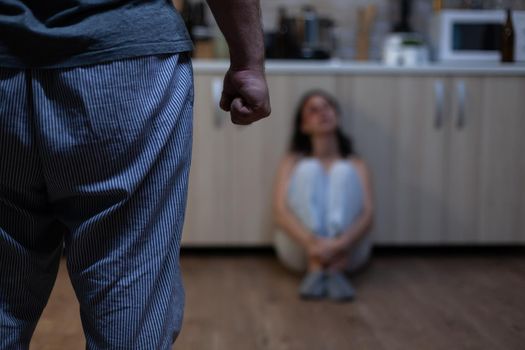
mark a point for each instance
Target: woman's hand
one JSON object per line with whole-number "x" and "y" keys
{"x": 326, "y": 249}
{"x": 313, "y": 247}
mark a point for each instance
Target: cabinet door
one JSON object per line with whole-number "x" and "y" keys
{"x": 368, "y": 105}
{"x": 420, "y": 159}
{"x": 255, "y": 151}
{"x": 502, "y": 171}
{"x": 464, "y": 126}
{"x": 209, "y": 207}
{"x": 398, "y": 127}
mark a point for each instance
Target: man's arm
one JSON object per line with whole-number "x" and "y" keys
{"x": 245, "y": 92}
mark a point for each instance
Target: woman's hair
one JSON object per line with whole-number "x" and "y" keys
{"x": 301, "y": 142}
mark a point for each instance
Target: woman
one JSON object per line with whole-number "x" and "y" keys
{"x": 322, "y": 202}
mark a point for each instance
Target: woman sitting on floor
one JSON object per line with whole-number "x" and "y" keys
{"x": 322, "y": 202}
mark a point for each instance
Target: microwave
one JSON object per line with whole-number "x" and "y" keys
{"x": 474, "y": 35}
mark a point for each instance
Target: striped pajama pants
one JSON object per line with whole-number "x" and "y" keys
{"x": 103, "y": 150}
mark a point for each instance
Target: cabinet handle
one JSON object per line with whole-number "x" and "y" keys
{"x": 216, "y": 92}
{"x": 439, "y": 94}
{"x": 461, "y": 91}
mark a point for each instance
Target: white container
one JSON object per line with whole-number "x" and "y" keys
{"x": 397, "y": 53}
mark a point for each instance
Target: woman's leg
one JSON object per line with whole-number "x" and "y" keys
{"x": 308, "y": 200}
{"x": 345, "y": 197}
{"x": 306, "y": 195}
{"x": 344, "y": 205}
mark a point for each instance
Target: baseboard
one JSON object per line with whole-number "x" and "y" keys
{"x": 380, "y": 250}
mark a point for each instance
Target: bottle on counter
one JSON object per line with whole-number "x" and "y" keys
{"x": 507, "y": 39}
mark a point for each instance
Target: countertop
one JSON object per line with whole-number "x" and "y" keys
{"x": 353, "y": 67}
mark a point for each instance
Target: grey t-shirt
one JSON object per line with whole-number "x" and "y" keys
{"x": 67, "y": 33}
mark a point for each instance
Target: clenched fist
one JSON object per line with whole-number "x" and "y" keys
{"x": 245, "y": 96}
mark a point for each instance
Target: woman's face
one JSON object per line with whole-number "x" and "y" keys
{"x": 318, "y": 116}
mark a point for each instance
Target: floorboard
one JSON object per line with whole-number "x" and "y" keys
{"x": 405, "y": 301}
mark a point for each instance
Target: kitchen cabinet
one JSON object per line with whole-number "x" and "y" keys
{"x": 445, "y": 156}
{"x": 502, "y": 161}
{"x": 446, "y": 152}
{"x": 486, "y": 177}
{"x": 464, "y": 119}
{"x": 209, "y": 209}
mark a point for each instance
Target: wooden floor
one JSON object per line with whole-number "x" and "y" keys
{"x": 404, "y": 302}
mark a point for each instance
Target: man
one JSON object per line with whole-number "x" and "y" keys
{"x": 96, "y": 101}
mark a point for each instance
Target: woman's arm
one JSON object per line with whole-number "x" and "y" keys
{"x": 364, "y": 222}
{"x": 282, "y": 214}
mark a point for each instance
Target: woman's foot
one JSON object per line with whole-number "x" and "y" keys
{"x": 339, "y": 287}
{"x": 313, "y": 285}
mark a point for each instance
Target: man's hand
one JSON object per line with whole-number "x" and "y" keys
{"x": 245, "y": 96}
{"x": 245, "y": 93}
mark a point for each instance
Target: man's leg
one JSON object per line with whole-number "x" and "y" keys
{"x": 117, "y": 165}
{"x": 30, "y": 241}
